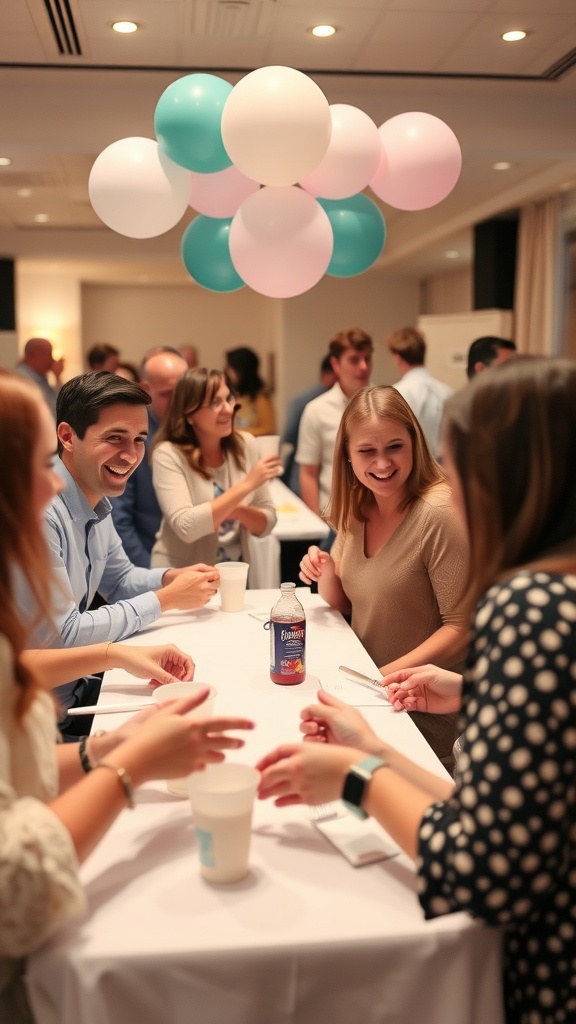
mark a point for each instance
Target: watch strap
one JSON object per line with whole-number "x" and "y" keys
{"x": 356, "y": 781}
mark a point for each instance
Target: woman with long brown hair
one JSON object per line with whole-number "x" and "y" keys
{"x": 57, "y": 800}
{"x": 398, "y": 565}
{"x": 210, "y": 483}
{"x": 500, "y": 844}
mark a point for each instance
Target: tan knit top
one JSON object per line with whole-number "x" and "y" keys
{"x": 413, "y": 585}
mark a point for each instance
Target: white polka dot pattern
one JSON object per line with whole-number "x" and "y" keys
{"x": 504, "y": 848}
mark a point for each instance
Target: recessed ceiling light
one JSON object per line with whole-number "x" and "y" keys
{"x": 323, "y": 31}
{"x": 125, "y": 27}
{"x": 514, "y": 36}
{"x": 41, "y": 218}
{"x": 501, "y": 165}
{"x": 24, "y": 193}
{"x": 451, "y": 254}
{"x": 5, "y": 161}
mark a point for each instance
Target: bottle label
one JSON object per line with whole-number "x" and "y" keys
{"x": 287, "y": 651}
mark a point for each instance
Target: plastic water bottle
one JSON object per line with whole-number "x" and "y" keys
{"x": 287, "y": 638}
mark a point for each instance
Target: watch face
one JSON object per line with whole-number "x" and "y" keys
{"x": 353, "y": 788}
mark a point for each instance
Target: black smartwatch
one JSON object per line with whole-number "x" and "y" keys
{"x": 356, "y": 781}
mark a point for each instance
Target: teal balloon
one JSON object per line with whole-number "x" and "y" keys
{"x": 359, "y": 234}
{"x": 206, "y": 254}
{"x": 187, "y": 123}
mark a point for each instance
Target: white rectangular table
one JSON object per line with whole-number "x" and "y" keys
{"x": 305, "y": 937}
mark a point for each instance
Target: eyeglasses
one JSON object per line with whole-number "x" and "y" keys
{"x": 218, "y": 403}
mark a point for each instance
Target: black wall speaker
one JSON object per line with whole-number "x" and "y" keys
{"x": 7, "y": 297}
{"x": 495, "y": 263}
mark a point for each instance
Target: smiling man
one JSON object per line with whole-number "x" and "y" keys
{"x": 350, "y": 354}
{"x": 102, "y": 425}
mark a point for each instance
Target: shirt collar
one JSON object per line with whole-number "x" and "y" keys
{"x": 75, "y": 500}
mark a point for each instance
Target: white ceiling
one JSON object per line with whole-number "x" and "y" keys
{"x": 505, "y": 102}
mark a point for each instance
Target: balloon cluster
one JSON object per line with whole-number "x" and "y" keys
{"x": 276, "y": 177}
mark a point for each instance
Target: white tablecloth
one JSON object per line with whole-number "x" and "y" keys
{"x": 305, "y": 937}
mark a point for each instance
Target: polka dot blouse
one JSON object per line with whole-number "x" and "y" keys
{"x": 504, "y": 847}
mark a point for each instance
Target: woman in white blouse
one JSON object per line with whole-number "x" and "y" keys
{"x": 210, "y": 483}
{"x": 58, "y": 799}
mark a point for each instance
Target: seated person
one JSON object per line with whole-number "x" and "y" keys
{"x": 210, "y": 483}
{"x": 399, "y": 562}
{"x": 54, "y": 807}
{"x": 500, "y": 843}
{"x": 101, "y": 427}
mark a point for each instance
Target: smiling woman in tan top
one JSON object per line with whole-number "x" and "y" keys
{"x": 398, "y": 565}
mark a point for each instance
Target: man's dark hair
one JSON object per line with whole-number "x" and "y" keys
{"x": 484, "y": 350}
{"x": 98, "y": 354}
{"x": 326, "y": 364}
{"x": 81, "y": 399}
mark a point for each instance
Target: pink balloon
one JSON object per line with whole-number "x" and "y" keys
{"x": 420, "y": 162}
{"x": 352, "y": 157}
{"x": 281, "y": 241}
{"x": 221, "y": 193}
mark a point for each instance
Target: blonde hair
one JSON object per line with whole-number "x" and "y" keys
{"x": 22, "y": 543}
{"x": 192, "y": 391}
{"x": 351, "y": 499}
{"x": 511, "y": 435}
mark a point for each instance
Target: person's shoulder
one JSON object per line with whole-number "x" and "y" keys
{"x": 247, "y": 440}
{"x": 438, "y": 496}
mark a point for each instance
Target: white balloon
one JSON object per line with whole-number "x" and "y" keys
{"x": 276, "y": 125}
{"x": 351, "y": 158}
{"x": 137, "y": 190}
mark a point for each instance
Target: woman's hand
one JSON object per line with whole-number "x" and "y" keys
{"x": 305, "y": 773}
{"x": 313, "y": 564}
{"x": 262, "y": 471}
{"x": 424, "y": 688}
{"x": 170, "y": 742}
{"x": 160, "y": 665}
{"x": 333, "y": 721}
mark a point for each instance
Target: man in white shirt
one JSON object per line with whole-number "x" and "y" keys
{"x": 350, "y": 353}
{"x": 423, "y": 392}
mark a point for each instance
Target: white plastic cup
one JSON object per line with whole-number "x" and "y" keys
{"x": 175, "y": 691}
{"x": 222, "y": 799}
{"x": 233, "y": 578}
{"x": 269, "y": 444}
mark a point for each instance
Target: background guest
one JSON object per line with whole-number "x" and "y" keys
{"x": 190, "y": 353}
{"x": 294, "y": 415}
{"x": 398, "y": 565}
{"x": 103, "y": 357}
{"x": 136, "y": 512}
{"x": 350, "y": 354}
{"x": 256, "y": 412}
{"x": 487, "y": 351}
{"x": 128, "y": 371}
{"x": 210, "y": 483}
{"x": 423, "y": 392}
{"x": 37, "y": 362}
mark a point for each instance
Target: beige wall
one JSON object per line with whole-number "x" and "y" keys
{"x": 448, "y": 293}
{"x": 294, "y": 332}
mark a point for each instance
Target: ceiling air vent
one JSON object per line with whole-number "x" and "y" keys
{"x": 63, "y": 28}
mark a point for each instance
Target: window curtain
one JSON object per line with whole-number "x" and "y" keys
{"x": 537, "y": 268}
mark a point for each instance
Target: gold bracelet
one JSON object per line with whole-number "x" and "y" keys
{"x": 124, "y": 779}
{"x": 106, "y": 653}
